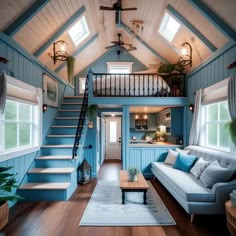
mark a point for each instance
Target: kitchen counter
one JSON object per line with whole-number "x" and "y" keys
{"x": 145, "y": 143}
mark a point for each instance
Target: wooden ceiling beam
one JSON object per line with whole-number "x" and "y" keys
{"x": 214, "y": 19}
{"x": 131, "y": 32}
{"x": 190, "y": 27}
{"x": 77, "y": 52}
{"x": 12, "y": 29}
{"x": 58, "y": 33}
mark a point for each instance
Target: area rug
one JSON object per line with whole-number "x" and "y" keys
{"x": 105, "y": 209}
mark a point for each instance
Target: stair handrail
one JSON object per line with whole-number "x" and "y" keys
{"x": 81, "y": 120}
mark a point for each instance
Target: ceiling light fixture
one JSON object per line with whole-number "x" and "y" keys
{"x": 186, "y": 54}
{"x": 59, "y": 51}
{"x": 138, "y": 26}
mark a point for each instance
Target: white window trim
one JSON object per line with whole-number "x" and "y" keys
{"x": 119, "y": 64}
{"x": 19, "y": 85}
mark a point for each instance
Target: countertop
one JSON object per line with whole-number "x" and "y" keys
{"x": 145, "y": 143}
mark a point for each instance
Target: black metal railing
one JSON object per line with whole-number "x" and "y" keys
{"x": 138, "y": 85}
{"x": 81, "y": 120}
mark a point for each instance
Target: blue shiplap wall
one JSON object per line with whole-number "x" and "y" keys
{"x": 26, "y": 68}
{"x": 212, "y": 72}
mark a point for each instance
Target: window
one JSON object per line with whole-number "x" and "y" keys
{"x": 113, "y": 131}
{"x": 169, "y": 27}
{"x": 119, "y": 67}
{"x": 82, "y": 85}
{"x": 215, "y": 116}
{"x": 20, "y": 124}
{"x": 79, "y": 31}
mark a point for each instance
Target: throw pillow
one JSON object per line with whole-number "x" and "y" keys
{"x": 185, "y": 152}
{"x": 215, "y": 173}
{"x": 184, "y": 162}
{"x": 199, "y": 167}
{"x": 171, "y": 157}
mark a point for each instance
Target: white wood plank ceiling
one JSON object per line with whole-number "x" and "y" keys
{"x": 56, "y": 13}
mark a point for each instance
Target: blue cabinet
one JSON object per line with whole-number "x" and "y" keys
{"x": 176, "y": 121}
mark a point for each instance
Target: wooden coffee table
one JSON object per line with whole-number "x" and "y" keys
{"x": 128, "y": 186}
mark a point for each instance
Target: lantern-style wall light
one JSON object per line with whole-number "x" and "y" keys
{"x": 45, "y": 107}
{"x": 60, "y": 51}
{"x": 186, "y": 54}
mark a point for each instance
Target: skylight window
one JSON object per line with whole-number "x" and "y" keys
{"x": 79, "y": 31}
{"x": 169, "y": 27}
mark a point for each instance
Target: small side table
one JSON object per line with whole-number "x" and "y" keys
{"x": 231, "y": 217}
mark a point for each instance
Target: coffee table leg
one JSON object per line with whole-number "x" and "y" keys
{"x": 123, "y": 197}
{"x": 145, "y": 197}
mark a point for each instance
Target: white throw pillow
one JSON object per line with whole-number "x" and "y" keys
{"x": 184, "y": 152}
{"x": 199, "y": 167}
{"x": 171, "y": 157}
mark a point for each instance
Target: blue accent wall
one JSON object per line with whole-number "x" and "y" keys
{"x": 210, "y": 73}
{"x": 26, "y": 68}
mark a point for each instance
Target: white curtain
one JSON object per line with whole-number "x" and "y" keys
{"x": 232, "y": 97}
{"x": 195, "y": 129}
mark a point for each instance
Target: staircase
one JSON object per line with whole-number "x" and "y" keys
{"x": 53, "y": 176}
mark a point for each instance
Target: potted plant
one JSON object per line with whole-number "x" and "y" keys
{"x": 132, "y": 174}
{"x": 232, "y": 130}
{"x": 7, "y": 182}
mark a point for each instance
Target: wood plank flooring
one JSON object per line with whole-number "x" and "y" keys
{"x": 62, "y": 218}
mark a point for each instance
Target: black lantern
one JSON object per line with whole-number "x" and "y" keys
{"x": 84, "y": 172}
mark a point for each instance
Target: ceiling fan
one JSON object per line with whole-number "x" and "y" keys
{"x": 121, "y": 43}
{"x": 117, "y": 6}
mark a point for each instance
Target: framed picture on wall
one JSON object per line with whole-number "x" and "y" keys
{"x": 50, "y": 91}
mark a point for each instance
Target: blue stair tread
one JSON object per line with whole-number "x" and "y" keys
{"x": 63, "y": 126}
{"x": 66, "y": 118}
{"x": 54, "y": 157}
{"x": 71, "y": 103}
{"x": 58, "y": 146}
{"x": 61, "y": 135}
{"x": 45, "y": 186}
{"x": 51, "y": 170}
{"x": 75, "y": 97}
{"x": 69, "y": 110}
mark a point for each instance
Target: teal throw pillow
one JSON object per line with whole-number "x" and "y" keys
{"x": 184, "y": 162}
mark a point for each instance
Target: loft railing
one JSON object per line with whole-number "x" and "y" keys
{"x": 138, "y": 85}
{"x": 81, "y": 120}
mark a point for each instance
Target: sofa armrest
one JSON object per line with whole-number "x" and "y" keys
{"x": 222, "y": 190}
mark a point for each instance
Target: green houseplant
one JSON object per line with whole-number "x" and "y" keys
{"x": 7, "y": 182}
{"x": 232, "y": 130}
{"x": 132, "y": 174}
{"x": 70, "y": 61}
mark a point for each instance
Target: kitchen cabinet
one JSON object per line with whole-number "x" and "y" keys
{"x": 152, "y": 124}
{"x": 132, "y": 121}
{"x": 147, "y": 124}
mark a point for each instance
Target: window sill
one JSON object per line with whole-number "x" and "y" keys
{"x": 17, "y": 153}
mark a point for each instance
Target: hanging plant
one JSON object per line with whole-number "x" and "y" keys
{"x": 232, "y": 130}
{"x": 167, "y": 68}
{"x": 70, "y": 69}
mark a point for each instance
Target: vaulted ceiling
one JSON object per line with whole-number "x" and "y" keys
{"x": 208, "y": 25}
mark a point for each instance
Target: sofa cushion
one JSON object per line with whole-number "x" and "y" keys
{"x": 215, "y": 173}
{"x": 199, "y": 167}
{"x": 184, "y": 162}
{"x": 171, "y": 157}
{"x": 185, "y": 184}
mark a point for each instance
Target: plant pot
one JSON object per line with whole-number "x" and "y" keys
{"x": 132, "y": 178}
{"x": 4, "y": 212}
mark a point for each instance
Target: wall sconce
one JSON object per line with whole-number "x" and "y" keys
{"x": 59, "y": 51}
{"x": 45, "y": 107}
{"x": 138, "y": 26}
{"x": 191, "y": 107}
{"x": 136, "y": 117}
{"x": 90, "y": 124}
{"x": 145, "y": 117}
{"x": 186, "y": 54}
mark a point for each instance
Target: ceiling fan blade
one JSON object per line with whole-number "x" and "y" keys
{"x": 129, "y": 9}
{"x": 131, "y": 48}
{"x": 107, "y": 8}
{"x": 112, "y": 46}
{"x": 115, "y": 42}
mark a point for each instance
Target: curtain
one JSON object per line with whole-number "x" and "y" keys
{"x": 232, "y": 97}
{"x": 3, "y": 92}
{"x": 195, "y": 129}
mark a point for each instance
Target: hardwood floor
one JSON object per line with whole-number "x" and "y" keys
{"x": 62, "y": 218}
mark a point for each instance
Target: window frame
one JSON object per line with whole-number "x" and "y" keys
{"x": 36, "y": 139}
{"x": 117, "y": 65}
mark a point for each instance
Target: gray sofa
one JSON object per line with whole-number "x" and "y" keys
{"x": 189, "y": 191}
